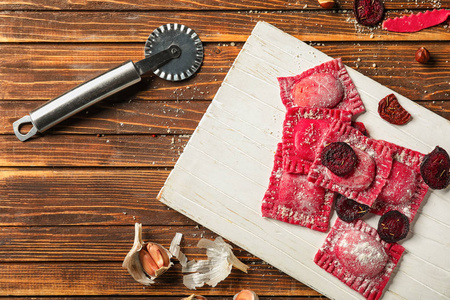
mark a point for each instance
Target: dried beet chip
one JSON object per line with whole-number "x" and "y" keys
{"x": 393, "y": 226}
{"x": 435, "y": 169}
{"x": 348, "y": 209}
{"x": 390, "y": 110}
{"x": 339, "y": 158}
{"x": 368, "y": 12}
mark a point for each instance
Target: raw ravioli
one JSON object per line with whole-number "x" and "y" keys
{"x": 370, "y": 174}
{"x": 303, "y": 129}
{"x": 327, "y": 85}
{"x": 293, "y": 199}
{"x": 405, "y": 189}
{"x": 355, "y": 254}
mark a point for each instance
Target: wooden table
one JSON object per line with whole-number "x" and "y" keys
{"x": 70, "y": 197}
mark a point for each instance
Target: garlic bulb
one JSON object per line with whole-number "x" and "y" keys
{"x": 146, "y": 261}
{"x": 246, "y": 295}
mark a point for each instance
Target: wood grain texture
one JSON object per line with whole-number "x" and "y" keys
{"x": 42, "y": 72}
{"x": 198, "y": 5}
{"x": 109, "y": 118}
{"x": 63, "y": 27}
{"x": 109, "y": 279}
{"x": 92, "y": 151}
{"x": 64, "y": 197}
{"x": 70, "y": 198}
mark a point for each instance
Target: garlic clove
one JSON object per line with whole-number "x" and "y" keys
{"x": 141, "y": 264}
{"x": 246, "y": 295}
{"x": 159, "y": 255}
{"x": 147, "y": 262}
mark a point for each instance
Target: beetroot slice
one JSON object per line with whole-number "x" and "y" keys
{"x": 348, "y": 209}
{"x": 393, "y": 226}
{"x": 368, "y": 12}
{"x": 339, "y": 158}
{"x": 435, "y": 169}
{"x": 390, "y": 110}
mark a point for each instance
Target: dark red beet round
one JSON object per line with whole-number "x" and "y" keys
{"x": 368, "y": 12}
{"x": 348, "y": 209}
{"x": 435, "y": 169}
{"x": 339, "y": 158}
{"x": 393, "y": 226}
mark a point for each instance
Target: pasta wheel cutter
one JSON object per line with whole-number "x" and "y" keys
{"x": 173, "y": 52}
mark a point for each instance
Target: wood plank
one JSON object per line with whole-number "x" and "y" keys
{"x": 94, "y": 243}
{"x": 42, "y": 72}
{"x": 63, "y": 26}
{"x": 109, "y": 117}
{"x": 92, "y": 150}
{"x": 64, "y": 197}
{"x": 109, "y": 279}
{"x": 198, "y": 5}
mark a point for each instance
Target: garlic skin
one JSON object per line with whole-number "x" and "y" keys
{"x": 213, "y": 270}
{"x": 246, "y": 295}
{"x": 132, "y": 261}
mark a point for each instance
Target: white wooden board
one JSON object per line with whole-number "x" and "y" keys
{"x": 222, "y": 175}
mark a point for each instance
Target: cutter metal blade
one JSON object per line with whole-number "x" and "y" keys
{"x": 191, "y": 47}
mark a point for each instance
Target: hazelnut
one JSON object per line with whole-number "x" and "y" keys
{"x": 327, "y": 4}
{"x": 422, "y": 55}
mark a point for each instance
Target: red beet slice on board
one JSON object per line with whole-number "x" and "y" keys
{"x": 339, "y": 158}
{"x": 435, "y": 169}
{"x": 349, "y": 210}
{"x": 368, "y": 12}
{"x": 390, "y": 110}
{"x": 393, "y": 226}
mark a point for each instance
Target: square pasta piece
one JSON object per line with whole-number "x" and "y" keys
{"x": 355, "y": 254}
{"x": 373, "y": 165}
{"x": 405, "y": 189}
{"x": 293, "y": 199}
{"x": 327, "y": 85}
{"x": 303, "y": 129}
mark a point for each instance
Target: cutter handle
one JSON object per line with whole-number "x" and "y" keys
{"x": 77, "y": 99}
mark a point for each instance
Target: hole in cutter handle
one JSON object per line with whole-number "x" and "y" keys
{"x": 17, "y": 126}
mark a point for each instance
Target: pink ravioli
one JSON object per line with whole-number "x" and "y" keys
{"x": 355, "y": 254}
{"x": 417, "y": 22}
{"x": 318, "y": 90}
{"x": 302, "y": 132}
{"x": 327, "y": 85}
{"x": 405, "y": 189}
{"x": 370, "y": 174}
{"x": 293, "y": 199}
